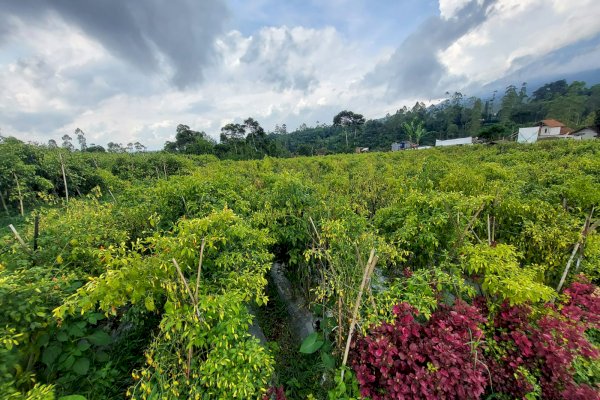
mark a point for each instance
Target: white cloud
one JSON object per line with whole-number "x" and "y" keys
{"x": 517, "y": 32}
{"x": 56, "y": 77}
{"x": 449, "y": 8}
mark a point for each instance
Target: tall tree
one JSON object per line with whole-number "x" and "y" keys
{"x": 551, "y": 90}
{"x": 569, "y": 107}
{"x": 139, "y": 147}
{"x": 414, "y": 130}
{"x": 81, "y": 139}
{"x": 113, "y": 147}
{"x": 66, "y": 144}
{"x": 475, "y": 118}
{"x": 233, "y": 134}
{"x": 509, "y": 103}
{"x": 347, "y": 119}
{"x": 255, "y": 133}
{"x": 189, "y": 141}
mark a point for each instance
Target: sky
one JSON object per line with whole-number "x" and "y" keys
{"x": 131, "y": 71}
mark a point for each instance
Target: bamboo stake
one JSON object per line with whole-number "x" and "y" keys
{"x": 366, "y": 276}
{"x": 18, "y": 237}
{"x": 112, "y": 195}
{"x": 62, "y": 167}
{"x": 567, "y": 267}
{"x": 20, "y": 195}
{"x": 587, "y": 227}
{"x": 187, "y": 287}
{"x": 469, "y": 225}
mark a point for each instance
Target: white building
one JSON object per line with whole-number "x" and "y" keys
{"x": 547, "y": 129}
{"x": 587, "y": 133}
{"x": 454, "y": 142}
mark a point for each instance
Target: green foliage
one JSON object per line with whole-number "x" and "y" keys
{"x": 422, "y": 289}
{"x": 345, "y": 388}
{"x": 99, "y": 307}
{"x": 501, "y": 275}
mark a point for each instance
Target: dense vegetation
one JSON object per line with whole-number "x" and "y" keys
{"x": 480, "y": 284}
{"x": 494, "y": 118}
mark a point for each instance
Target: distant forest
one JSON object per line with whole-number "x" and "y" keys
{"x": 575, "y": 104}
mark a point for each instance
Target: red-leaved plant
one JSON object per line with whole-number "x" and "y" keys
{"x": 544, "y": 344}
{"x": 526, "y": 351}
{"x": 439, "y": 359}
{"x": 275, "y": 393}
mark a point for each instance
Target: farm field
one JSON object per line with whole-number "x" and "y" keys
{"x": 457, "y": 273}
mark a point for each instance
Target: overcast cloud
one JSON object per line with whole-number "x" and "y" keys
{"x": 131, "y": 71}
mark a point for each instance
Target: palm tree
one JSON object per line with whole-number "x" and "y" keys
{"x": 414, "y": 130}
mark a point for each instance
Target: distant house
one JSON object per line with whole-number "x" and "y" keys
{"x": 404, "y": 145}
{"x": 551, "y": 128}
{"x": 361, "y": 149}
{"x": 587, "y": 133}
{"x": 546, "y": 129}
{"x": 454, "y": 142}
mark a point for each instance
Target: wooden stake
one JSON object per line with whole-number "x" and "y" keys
{"x": 62, "y": 167}
{"x": 366, "y": 276}
{"x": 567, "y": 267}
{"x": 187, "y": 287}
{"x": 18, "y": 237}
{"x": 20, "y": 195}
{"x": 587, "y": 228}
{"x": 112, "y": 195}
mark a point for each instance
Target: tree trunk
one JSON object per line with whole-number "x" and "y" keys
{"x": 346, "y": 133}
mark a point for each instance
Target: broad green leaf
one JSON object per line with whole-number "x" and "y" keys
{"x": 328, "y": 360}
{"x": 312, "y": 343}
{"x": 83, "y": 345}
{"x": 100, "y": 338}
{"x": 81, "y": 366}
{"x": 51, "y": 353}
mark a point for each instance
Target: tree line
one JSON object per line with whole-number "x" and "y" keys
{"x": 497, "y": 117}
